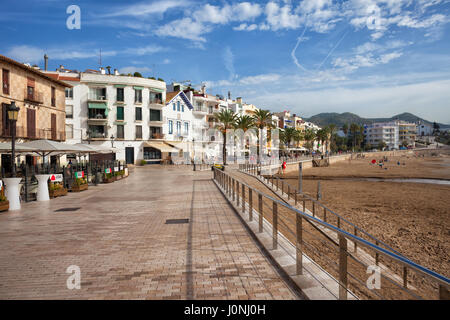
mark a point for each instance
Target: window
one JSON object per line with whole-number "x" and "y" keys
{"x": 155, "y": 133}
{"x": 5, "y": 81}
{"x": 120, "y": 113}
{"x": 182, "y": 108}
{"x": 137, "y": 96}
{"x": 97, "y": 94}
{"x": 69, "y": 93}
{"x": 174, "y": 107}
{"x": 155, "y": 115}
{"x": 138, "y": 132}
{"x": 120, "y": 132}
{"x": 69, "y": 111}
{"x": 69, "y": 131}
{"x": 152, "y": 153}
{"x": 178, "y": 105}
{"x": 186, "y": 128}
{"x": 120, "y": 95}
{"x": 178, "y": 127}
{"x": 155, "y": 97}
{"x": 30, "y": 92}
{"x": 53, "y": 97}
{"x": 138, "y": 113}
{"x": 171, "y": 126}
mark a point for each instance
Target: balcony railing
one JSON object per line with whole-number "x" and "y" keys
{"x": 35, "y": 96}
{"x": 155, "y": 101}
{"x": 37, "y": 133}
{"x": 156, "y": 136}
{"x": 96, "y": 97}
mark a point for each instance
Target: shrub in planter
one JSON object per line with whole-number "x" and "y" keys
{"x": 108, "y": 178}
{"x": 143, "y": 162}
{"x": 80, "y": 184}
{"x": 56, "y": 189}
{"x": 4, "y": 203}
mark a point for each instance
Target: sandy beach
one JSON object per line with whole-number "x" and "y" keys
{"x": 413, "y": 218}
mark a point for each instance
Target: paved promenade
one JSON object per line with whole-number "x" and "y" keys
{"x": 117, "y": 235}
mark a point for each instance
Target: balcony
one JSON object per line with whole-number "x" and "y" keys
{"x": 156, "y": 101}
{"x": 157, "y": 136}
{"x": 97, "y": 98}
{"x": 33, "y": 96}
{"x": 34, "y": 134}
{"x": 200, "y": 111}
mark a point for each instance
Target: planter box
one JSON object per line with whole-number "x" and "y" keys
{"x": 4, "y": 205}
{"x": 110, "y": 180}
{"x": 79, "y": 188}
{"x": 57, "y": 193}
{"x": 119, "y": 177}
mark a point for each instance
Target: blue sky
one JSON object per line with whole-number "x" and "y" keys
{"x": 371, "y": 57}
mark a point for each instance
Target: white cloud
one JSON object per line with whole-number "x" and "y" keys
{"x": 150, "y": 49}
{"x": 245, "y": 27}
{"x": 228, "y": 59}
{"x": 244, "y": 11}
{"x": 145, "y": 9}
{"x": 166, "y": 61}
{"x": 31, "y": 54}
{"x": 281, "y": 17}
{"x": 185, "y": 28}
{"x": 262, "y": 78}
{"x": 361, "y": 61}
{"x": 133, "y": 69}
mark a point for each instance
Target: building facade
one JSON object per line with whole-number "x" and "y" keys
{"x": 111, "y": 110}
{"x": 41, "y": 102}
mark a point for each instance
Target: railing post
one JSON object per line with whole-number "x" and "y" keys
{"x": 233, "y": 190}
{"x": 355, "y": 243}
{"x": 324, "y": 214}
{"x": 275, "y": 225}
{"x": 405, "y": 277}
{"x": 377, "y": 257}
{"x": 282, "y": 187}
{"x": 261, "y": 214}
{"x": 289, "y": 191}
{"x": 243, "y": 198}
{"x": 250, "y": 204}
{"x": 342, "y": 267}
{"x": 300, "y": 177}
{"x": 304, "y": 205}
{"x": 299, "y": 245}
{"x": 237, "y": 192}
{"x": 295, "y": 195}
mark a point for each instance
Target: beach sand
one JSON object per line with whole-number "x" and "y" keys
{"x": 413, "y": 218}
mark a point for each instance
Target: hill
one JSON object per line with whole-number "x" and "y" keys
{"x": 339, "y": 119}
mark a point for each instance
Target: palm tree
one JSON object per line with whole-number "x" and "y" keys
{"x": 354, "y": 128}
{"x": 262, "y": 119}
{"x": 322, "y": 136}
{"x": 244, "y": 122}
{"x": 345, "y": 129}
{"x": 226, "y": 120}
{"x": 299, "y": 136}
{"x": 332, "y": 129}
{"x": 288, "y": 135}
{"x": 309, "y": 137}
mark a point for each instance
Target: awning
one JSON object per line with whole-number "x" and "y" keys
{"x": 157, "y": 90}
{"x": 120, "y": 85}
{"x": 120, "y": 123}
{"x": 94, "y": 105}
{"x": 160, "y": 146}
{"x": 138, "y": 88}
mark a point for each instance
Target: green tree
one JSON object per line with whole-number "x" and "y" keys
{"x": 309, "y": 137}
{"x": 226, "y": 120}
{"x": 345, "y": 129}
{"x": 262, "y": 119}
{"x": 137, "y": 74}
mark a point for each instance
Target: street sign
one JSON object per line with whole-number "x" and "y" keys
{"x": 108, "y": 170}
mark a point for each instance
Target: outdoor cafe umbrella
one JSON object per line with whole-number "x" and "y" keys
{"x": 49, "y": 147}
{"x": 5, "y": 147}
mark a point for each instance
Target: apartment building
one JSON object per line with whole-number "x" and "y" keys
{"x": 424, "y": 129}
{"x": 394, "y": 134}
{"x": 41, "y": 102}
{"x": 387, "y": 132}
{"x": 112, "y": 110}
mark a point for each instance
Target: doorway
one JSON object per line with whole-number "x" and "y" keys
{"x": 129, "y": 155}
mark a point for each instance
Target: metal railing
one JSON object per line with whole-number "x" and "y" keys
{"x": 341, "y": 258}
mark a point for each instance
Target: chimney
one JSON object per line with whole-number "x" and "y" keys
{"x": 116, "y": 72}
{"x": 109, "y": 69}
{"x": 203, "y": 89}
{"x": 45, "y": 62}
{"x": 102, "y": 70}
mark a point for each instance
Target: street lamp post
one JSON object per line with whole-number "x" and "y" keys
{"x": 13, "y": 113}
{"x": 112, "y": 141}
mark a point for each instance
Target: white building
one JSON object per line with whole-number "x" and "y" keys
{"x": 424, "y": 130}
{"x": 387, "y": 132}
{"x": 111, "y": 110}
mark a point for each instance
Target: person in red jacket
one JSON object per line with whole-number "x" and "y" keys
{"x": 283, "y": 166}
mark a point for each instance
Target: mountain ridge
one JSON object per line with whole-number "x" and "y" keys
{"x": 339, "y": 119}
